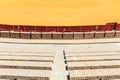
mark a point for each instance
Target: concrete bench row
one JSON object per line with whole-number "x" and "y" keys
{"x": 92, "y": 50}
{"x": 27, "y": 58}
{"x": 92, "y": 58}
{"x": 26, "y": 65}
{"x": 23, "y": 74}
{"x": 34, "y": 50}
{"x": 93, "y": 54}
{"x": 60, "y": 35}
{"x": 93, "y": 74}
{"x": 93, "y": 65}
{"x": 27, "y": 54}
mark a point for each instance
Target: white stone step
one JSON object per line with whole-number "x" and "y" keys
{"x": 25, "y": 74}
{"x": 26, "y": 65}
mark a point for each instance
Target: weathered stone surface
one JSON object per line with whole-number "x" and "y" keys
{"x": 110, "y": 34}
{"x": 36, "y": 35}
{"x": 5, "y": 34}
{"x": 25, "y": 35}
{"x": 78, "y": 35}
{"x": 57, "y": 35}
{"x": 60, "y": 35}
{"x": 99, "y": 35}
{"x": 24, "y": 74}
{"x": 93, "y": 74}
{"x": 81, "y": 65}
{"x": 46, "y": 35}
{"x": 68, "y": 35}
{"x": 89, "y": 35}
{"x": 117, "y": 34}
{"x": 15, "y": 34}
{"x": 32, "y": 65}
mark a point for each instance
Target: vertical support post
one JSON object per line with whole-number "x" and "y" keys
{"x": 52, "y": 35}
{"x": 104, "y": 33}
{"x": 41, "y": 35}
{"x": 30, "y": 34}
{"x": 73, "y": 34}
{"x": 94, "y": 34}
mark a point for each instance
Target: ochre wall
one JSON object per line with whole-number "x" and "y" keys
{"x": 59, "y": 12}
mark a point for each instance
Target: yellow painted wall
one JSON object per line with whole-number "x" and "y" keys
{"x": 59, "y": 12}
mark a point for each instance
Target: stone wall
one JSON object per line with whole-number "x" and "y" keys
{"x": 60, "y": 35}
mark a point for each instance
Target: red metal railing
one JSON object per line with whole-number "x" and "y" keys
{"x": 107, "y": 27}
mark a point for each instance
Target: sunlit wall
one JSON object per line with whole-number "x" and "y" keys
{"x": 59, "y": 12}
